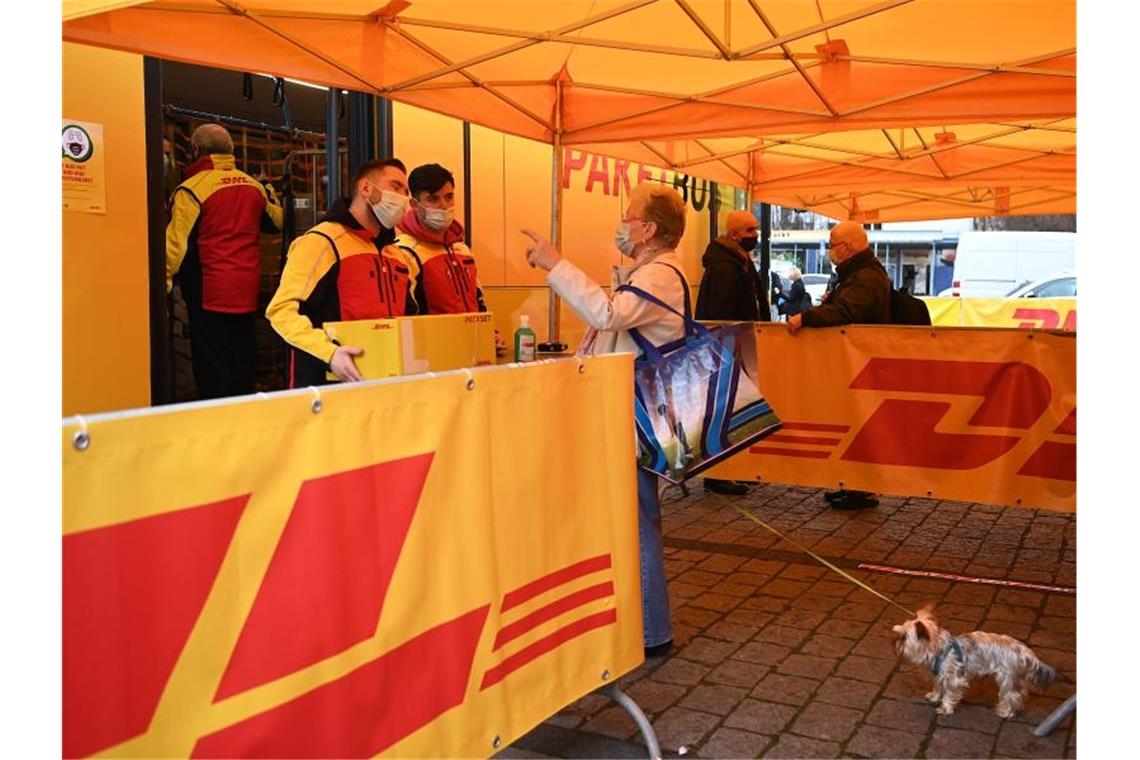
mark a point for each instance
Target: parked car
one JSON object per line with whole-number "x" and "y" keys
{"x": 1061, "y": 284}
{"x": 816, "y": 286}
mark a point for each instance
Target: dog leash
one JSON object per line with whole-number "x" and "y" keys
{"x": 814, "y": 556}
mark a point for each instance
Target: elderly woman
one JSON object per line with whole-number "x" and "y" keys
{"x": 799, "y": 300}
{"x": 648, "y": 235}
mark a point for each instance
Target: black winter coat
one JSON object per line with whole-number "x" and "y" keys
{"x": 862, "y": 296}
{"x": 799, "y": 300}
{"x": 730, "y": 288}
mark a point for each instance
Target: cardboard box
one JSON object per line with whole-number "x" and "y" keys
{"x": 414, "y": 345}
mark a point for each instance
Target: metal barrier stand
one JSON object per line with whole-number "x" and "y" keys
{"x": 630, "y": 706}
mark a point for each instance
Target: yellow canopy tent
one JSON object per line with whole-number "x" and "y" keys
{"x": 889, "y": 110}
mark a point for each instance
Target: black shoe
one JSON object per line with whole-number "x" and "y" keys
{"x": 830, "y": 496}
{"x": 726, "y": 487}
{"x": 660, "y": 650}
{"x": 851, "y": 500}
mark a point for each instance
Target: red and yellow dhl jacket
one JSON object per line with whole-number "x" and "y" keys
{"x": 445, "y": 274}
{"x": 336, "y": 271}
{"x": 212, "y": 241}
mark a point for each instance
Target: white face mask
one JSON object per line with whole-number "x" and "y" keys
{"x": 390, "y": 208}
{"x": 622, "y": 237}
{"x": 436, "y": 218}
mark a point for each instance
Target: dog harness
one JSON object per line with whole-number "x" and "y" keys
{"x": 953, "y": 646}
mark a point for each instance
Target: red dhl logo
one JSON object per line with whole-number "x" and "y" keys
{"x": 133, "y": 591}
{"x": 237, "y": 180}
{"x": 903, "y": 432}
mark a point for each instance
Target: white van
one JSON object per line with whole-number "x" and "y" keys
{"x": 991, "y": 264}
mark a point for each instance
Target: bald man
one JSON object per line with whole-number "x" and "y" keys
{"x": 213, "y": 253}
{"x": 731, "y": 290}
{"x": 861, "y": 296}
{"x": 863, "y": 293}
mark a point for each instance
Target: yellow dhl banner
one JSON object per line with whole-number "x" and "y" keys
{"x": 421, "y": 568}
{"x": 1023, "y": 313}
{"x": 961, "y": 414}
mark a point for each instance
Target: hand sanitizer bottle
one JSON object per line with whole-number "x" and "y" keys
{"x": 525, "y": 341}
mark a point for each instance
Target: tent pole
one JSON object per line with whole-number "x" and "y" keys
{"x": 554, "y": 322}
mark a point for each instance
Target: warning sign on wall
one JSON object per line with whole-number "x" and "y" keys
{"x": 84, "y": 188}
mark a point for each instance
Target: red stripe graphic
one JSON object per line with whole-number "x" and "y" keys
{"x": 804, "y": 439}
{"x": 511, "y": 632}
{"x": 546, "y": 645}
{"x": 559, "y": 577}
{"x": 1068, "y": 425}
{"x": 781, "y": 452}
{"x": 368, "y": 710}
{"x": 1057, "y": 461}
{"x": 819, "y": 427}
{"x": 131, "y": 594}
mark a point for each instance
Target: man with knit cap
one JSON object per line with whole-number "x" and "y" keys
{"x": 731, "y": 290}
{"x": 861, "y": 296}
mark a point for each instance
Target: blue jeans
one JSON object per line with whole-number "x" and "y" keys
{"x": 657, "y": 622}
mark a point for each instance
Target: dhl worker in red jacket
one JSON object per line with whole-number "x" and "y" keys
{"x": 443, "y": 268}
{"x": 344, "y": 268}
{"x": 213, "y": 252}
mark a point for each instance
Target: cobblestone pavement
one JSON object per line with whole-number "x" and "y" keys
{"x": 776, "y": 656}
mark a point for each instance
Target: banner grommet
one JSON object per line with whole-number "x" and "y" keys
{"x": 470, "y": 379}
{"x": 317, "y": 404}
{"x": 82, "y": 439}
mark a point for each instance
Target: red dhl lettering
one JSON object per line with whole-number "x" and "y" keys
{"x": 234, "y": 181}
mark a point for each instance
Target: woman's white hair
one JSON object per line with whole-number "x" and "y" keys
{"x": 663, "y": 207}
{"x": 795, "y": 274}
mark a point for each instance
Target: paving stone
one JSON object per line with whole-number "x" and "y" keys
{"x": 756, "y": 619}
{"x": 1012, "y": 614}
{"x": 870, "y": 669}
{"x": 728, "y": 588}
{"x": 785, "y": 589}
{"x": 761, "y": 717}
{"x": 827, "y": 722}
{"x": 716, "y": 699}
{"x": 979, "y": 718}
{"x": 800, "y": 618}
{"x": 1061, "y": 604}
{"x": 655, "y": 696}
{"x": 701, "y": 578}
{"x": 800, "y": 747}
{"x": 847, "y": 629}
{"x": 818, "y": 603}
{"x": 766, "y": 604}
{"x": 827, "y": 646}
{"x": 859, "y": 611}
{"x": 803, "y": 572}
{"x": 678, "y": 671}
{"x": 789, "y": 690}
{"x": 680, "y": 727}
{"x": 1017, "y": 740}
{"x": 726, "y": 631}
{"x": 613, "y": 721}
{"x": 875, "y": 741}
{"x": 738, "y": 673}
{"x": 565, "y": 720}
{"x": 762, "y": 652}
{"x": 680, "y": 590}
{"x": 848, "y": 692}
{"x": 722, "y": 563}
{"x": 782, "y": 635}
{"x": 734, "y": 743}
{"x": 695, "y": 616}
{"x": 716, "y": 602}
{"x": 915, "y": 717}
{"x": 809, "y": 666}
{"x": 877, "y": 645}
{"x": 957, "y": 743}
{"x": 763, "y": 567}
{"x": 708, "y": 651}
{"x": 827, "y": 587}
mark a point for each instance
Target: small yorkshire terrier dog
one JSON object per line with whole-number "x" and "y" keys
{"x": 955, "y": 661}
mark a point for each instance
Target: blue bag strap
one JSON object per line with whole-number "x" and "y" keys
{"x": 691, "y": 326}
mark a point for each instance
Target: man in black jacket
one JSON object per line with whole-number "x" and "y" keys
{"x": 861, "y": 296}
{"x": 731, "y": 290}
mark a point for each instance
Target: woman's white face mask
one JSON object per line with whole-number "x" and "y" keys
{"x": 623, "y": 236}
{"x": 390, "y": 208}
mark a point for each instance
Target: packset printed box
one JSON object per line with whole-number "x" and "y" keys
{"x": 414, "y": 345}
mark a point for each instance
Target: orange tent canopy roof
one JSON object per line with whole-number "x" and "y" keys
{"x": 666, "y": 78}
